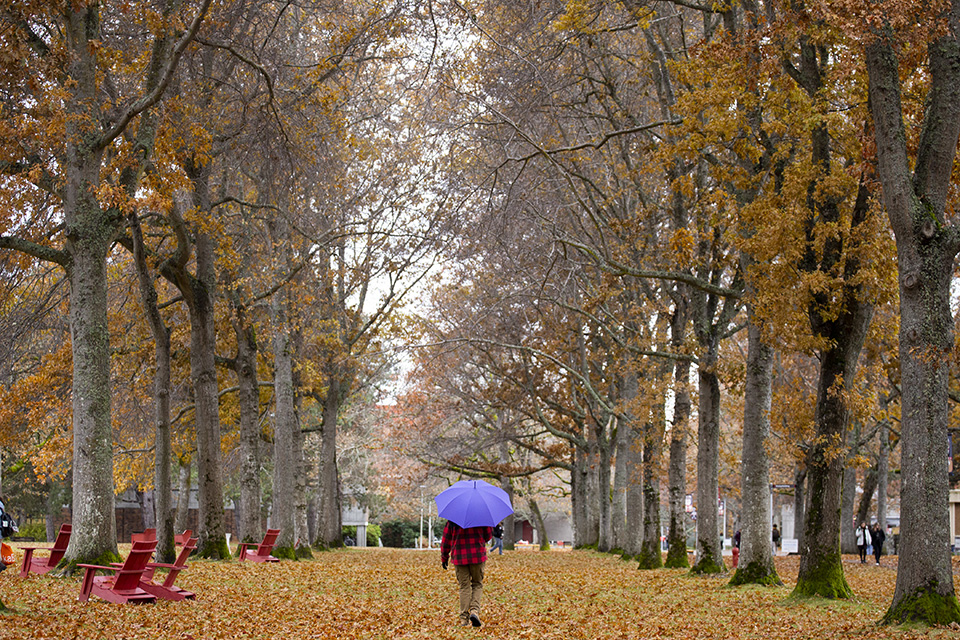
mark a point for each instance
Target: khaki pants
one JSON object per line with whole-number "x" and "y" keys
{"x": 470, "y": 579}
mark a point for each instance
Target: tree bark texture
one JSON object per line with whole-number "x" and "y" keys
{"x": 756, "y": 553}
{"x": 883, "y": 476}
{"x": 538, "y": 524}
{"x": 89, "y": 233}
{"x": 182, "y": 517}
{"x": 248, "y": 396}
{"x": 821, "y": 569}
{"x": 926, "y": 250}
{"x": 284, "y": 426}
{"x": 586, "y": 529}
{"x": 605, "y": 541}
{"x": 848, "y": 496}
{"x": 709, "y": 551}
{"x": 650, "y": 556}
{"x": 330, "y": 528}
{"x": 618, "y": 508}
{"x": 633, "y": 533}
{"x": 163, "y": 483}
{"x": 677, "y": 474}
{"x": 866, "y": 500}
{"x": 200, "y": 295}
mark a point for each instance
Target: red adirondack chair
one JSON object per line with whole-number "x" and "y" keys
{"x": 144, "y": 536}
{"x": 181, "y": 539}
{"x": 262, "y": 553}
{"x": 166, "y": 589}
{"x": 43, "y": 565}
{"x": 124, "y": 585}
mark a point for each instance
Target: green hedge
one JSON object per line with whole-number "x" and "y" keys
{"x": 403, "y": 534}
{"x": 373, "y": 534}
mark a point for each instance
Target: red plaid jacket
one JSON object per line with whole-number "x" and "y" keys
{"x": 464, "y": 546}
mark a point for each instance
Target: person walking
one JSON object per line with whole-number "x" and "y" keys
{"x": 467, "y": 549}
{"x": 863, "y": 539}
{"x": 776, "y": 539}
{"x": 877, "y": 537}
{"x": 497, "y": 539}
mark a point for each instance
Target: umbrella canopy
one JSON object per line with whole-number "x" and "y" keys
{"x": 473, "y": 503}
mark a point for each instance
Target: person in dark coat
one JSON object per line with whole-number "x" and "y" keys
{"x": 877, "y": 536}
{"x": 497, "y": 539}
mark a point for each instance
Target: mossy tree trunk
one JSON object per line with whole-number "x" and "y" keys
{"x": 839, "y": 316}
{"x": 927, "y": 245}
{"x": 709, "y": 551}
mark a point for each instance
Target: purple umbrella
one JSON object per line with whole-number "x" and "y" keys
{"x": 473, "y": 503}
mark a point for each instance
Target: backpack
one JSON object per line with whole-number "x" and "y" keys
{"x": 8, "y": 526}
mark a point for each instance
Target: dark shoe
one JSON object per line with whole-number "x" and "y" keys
{"x": 474, "y": 619}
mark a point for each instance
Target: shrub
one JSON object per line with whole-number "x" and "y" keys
{"x": 35, "y": 529}
{"x": 373, "y": 534}
{"x": 404, "y": 533}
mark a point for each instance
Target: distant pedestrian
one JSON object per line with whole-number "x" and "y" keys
{"x": 497, "y": 539}
{"x": 467, "y": 549}
{"x": 863, "y": 539}
{"x": 776, "y": 539}
{"x": 736, "y": 539}
{"x": 877, "y": 536}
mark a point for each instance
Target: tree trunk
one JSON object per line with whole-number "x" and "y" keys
{"x": 756, "y": 553}
{"x": 650, "y": 556}
{"x": 634, "y": 517}
{"x": 181, "y": 520}
{"x": 866, "y": 500}
{"x": 509, "y": 523}
{"x": 677, "y": 475}
{"x": 618, "y": 508}
{"x": 330, "y": 529}
{"x": 926, "y": 251}
{"x": 249, "y": 528}
{"x": 163, "y": 448}
{"x": 301, "y": 500}
{"x": 821, "y": 569}
{"x": 89, "y": 233}
{"x": 605, "y": 542}
{"x": 799, "y": 502}
{"x": 709, "y": 558}
{"x": 584, "y": 492}
{"x": 848, "y": 496}
{"x": 883, "y": 473}
{"x": 541, "y": 528}
{"x": 284, "y": 427}
{"x": 94, "y": 520}
{"x": 203, "y": 370}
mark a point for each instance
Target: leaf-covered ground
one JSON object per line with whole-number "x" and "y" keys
{"x": 382, "y": 593}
